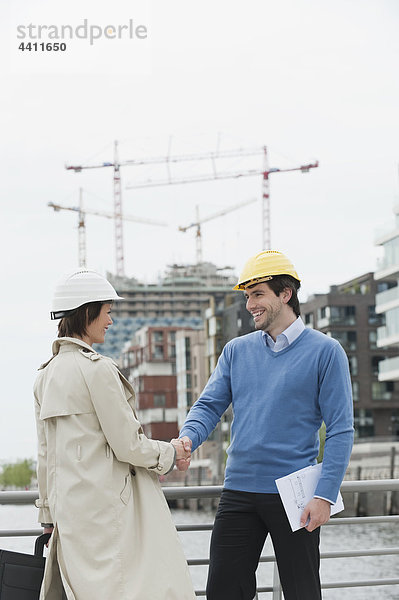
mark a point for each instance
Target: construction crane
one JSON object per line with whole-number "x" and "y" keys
{"x": 198, "y": 222}
{"x": 264, "y": 171}
{"x": 116, "y": 164}
{"x": 214, "y": 175}
{"x": 82, "y": 212}
{"x": 117, "y": 216}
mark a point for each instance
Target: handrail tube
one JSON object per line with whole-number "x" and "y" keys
{"x": 356, "y": 520}
{"x": 201, "y": 562}
{"x": 359, "y": 583}
{"x": 209, "y": 526}
{"x": 213, "y": 491}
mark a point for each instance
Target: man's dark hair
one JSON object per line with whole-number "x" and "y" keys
{"x": 280, "y": 282}
{"x": 76, "y": 322}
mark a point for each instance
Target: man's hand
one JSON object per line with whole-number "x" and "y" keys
{"x": 183, "y": 452}
{"x": 316, "y": 513}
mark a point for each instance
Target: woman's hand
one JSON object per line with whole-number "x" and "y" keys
{"x": 48, "y": 530}
{"x": 183, "y": 452}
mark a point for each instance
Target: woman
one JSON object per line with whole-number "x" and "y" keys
{"x": 99, "y": 494}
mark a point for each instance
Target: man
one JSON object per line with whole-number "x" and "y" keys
{"x": 283, "y": 380}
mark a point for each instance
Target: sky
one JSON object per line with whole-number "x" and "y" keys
{"x": 310, "y": 79}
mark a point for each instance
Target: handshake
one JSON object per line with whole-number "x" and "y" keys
{"x": 183, "y": 452}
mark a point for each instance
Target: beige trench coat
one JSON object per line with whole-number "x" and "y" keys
{"x": 113, "y": 536}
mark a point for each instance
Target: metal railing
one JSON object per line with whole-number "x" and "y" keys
{"x": 198, "y": 492}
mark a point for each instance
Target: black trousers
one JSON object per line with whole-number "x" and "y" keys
{"x": 242, "y": 523}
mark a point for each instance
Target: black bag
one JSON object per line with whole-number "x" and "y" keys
{"x": 21, "y": 575}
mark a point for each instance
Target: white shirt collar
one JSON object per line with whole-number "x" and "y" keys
{"x": 286, "y": 337}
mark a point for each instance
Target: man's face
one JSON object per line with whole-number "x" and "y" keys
{"x": 264, "y": 305}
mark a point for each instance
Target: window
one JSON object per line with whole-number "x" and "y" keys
{"x": 159, "y": 400}
{"x": 352, "y": 365}
{"x": 375, "y": 361}
{"x": 383, "y": 286}
{"x": 343, "y": 314}
{"x": 381, "y": 390}
{"x": 346, "y": 338}
{"x": 309, "y": 319}
{"x": 158, "y": 352}
{"x": 336, "y": 315}
{"x": 364, "y": 423}
{"x": 157, "y": 339}
{"x": 188, "y": 353}
{"x": 395, "y": 423}
{"x": 374, "y": 318}
{"x": 373, "y": 339}
{"x": 355, "y": 391}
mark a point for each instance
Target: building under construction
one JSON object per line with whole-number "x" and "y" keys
{"x": 179, "y": 299}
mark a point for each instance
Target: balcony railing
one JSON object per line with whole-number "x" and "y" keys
{"x": 387, "y": 336}
{"x": 185, "y": 493}
{"x": 388, "y": 369}
{"x": 387, "y": 299}
{"x": 336, "y": 320}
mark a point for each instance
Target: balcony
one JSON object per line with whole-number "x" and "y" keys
{"x": 388, "y": 266}
{"x": 339, "y": 320}
{"x": 336, "y": 315}
{"x": 388, "y": 335}
{"x": 387, "y": 300}
{"x": 388, "y": 369}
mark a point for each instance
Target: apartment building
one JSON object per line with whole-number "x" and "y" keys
{"x": 348, "y": 314}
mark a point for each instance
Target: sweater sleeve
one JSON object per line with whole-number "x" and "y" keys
{"x": 210, "y": 406}
{"x": 335, "y": 400}
{"x": 119, "y": 424}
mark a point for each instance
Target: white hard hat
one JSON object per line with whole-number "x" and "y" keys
{"x": 78, "y": 288}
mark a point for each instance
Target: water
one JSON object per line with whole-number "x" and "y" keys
{"x": 196, "y": 545}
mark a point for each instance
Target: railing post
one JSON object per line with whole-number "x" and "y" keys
{"x": 392, "y": 463}
{"x": 277, "y": 590}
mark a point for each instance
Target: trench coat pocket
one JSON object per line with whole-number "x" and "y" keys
{"x": 127, "y": 490}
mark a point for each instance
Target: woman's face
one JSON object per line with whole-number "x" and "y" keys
{"x": 95, "y": 332}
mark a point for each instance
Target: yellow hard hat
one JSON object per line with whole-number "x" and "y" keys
{"x": 263, "y": 266}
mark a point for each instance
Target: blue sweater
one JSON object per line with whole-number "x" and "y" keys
{"x": 279, "y": 401}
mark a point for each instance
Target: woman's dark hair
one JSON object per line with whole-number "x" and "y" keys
{"x": 76, "y": 322}
{"x": 281, "y": 282}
